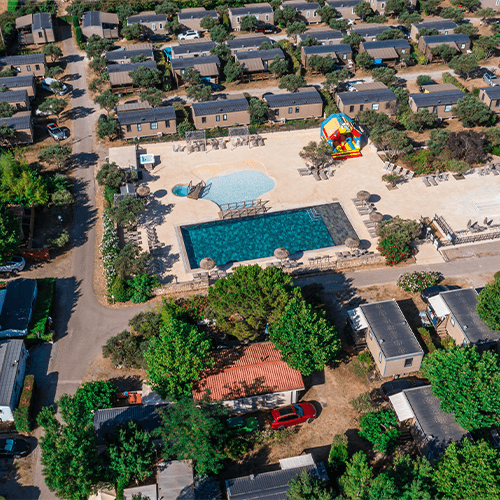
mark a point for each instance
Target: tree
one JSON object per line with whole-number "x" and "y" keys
{"x": 364, "y": 60}
{"x": 466, "y": 29}
{"x": 288, "y": 14}
{"x": 139, "y": 58}
{"x": 321, "y": 64}
{"x": 6, "y": 110}
{"x": 232, "y": 71}
{"x": 381, "y": 429}
{"x": 401, "y": 230}
{"x": 390, "y": 34}
{"x": 127, "y": 350}
{"x": 53, "y": 106}
{"x": 468, "y": 145}
{"x": 421, "y": 120}
{"x": 456, "y": 373}
{"x": 258, "y": 111}
{"x": 384, "y": 75}
{"x": 108, "y": 127}
{"x": 222, "y": 51}
{"x": 132, "y": 31}
{"x": 452, "y": 13}
{"x": 393, "y": 142}
{"x": 488, "y": 305}
{"x": 207, "y": 23}
{"x": 125, "y": 11}
{"x": 10, "y": 230}
{"x": 52, "y": 51}
{"x": 196, "y": 431}
{"x": 131, "y": 260}
{"x": 278, "y": 67}
{"x": 145, "y": 77}
{"x": 191, "y": 76}
{"x": 168, "y": 8}
{"x": 338, "y": 24}
{"x": 473, "y": 113}
{"x": 292, "y": 82}
{"x": 487, "y": 13}
{"x": 468, "y": 470}
{"x": 107, "y": 100}
{"x": 488, "y": 44}
{"x": 219, "y": 34}
{"x": 96, "y": 84}
{"x": 363, "y": 10}
{"x": 200, "y": 93}
{"x": 56, "y": 87}
{"x": 53, "y": 72}
{"x": 60, "y": 198}
{"x": 467, "y": 4}
{"x": 445, "y": 52}
{"x": 305, "y": 487}
{"x": 421, "y": 79}
{"x": 437, "y": 141}
{"x": 248, "y": 300}
{"x": 396, "y": 7}
{"x": 316, "y": 153}
{"x": 464, "y": 64}
{"x": 305, "y": 338}
{"x": 295, "y": 28}
{"x": 96, "y": 46}
{"x": 152, "y": 96}
{"x": 177, "y": 358}
{"x": 356, "y": 481}
{"x": 407, "y": 19}
{"x": 129, "y": 455}
{"x": 327, "y": 13}
{"x": 335, "y": 78}
{"x": 56, "y": 153}
{"x": 124, "y": 213}
{"x": 248, "y": 22}
{"x": 430, "y": 6}
{"x": 353, "y": 38}
{"x": 427, "y": 32}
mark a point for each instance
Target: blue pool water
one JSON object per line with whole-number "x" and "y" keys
{"x": 259, "y": 236}
{"x": 180, "y": 190}
{"x": 241, "y": 186}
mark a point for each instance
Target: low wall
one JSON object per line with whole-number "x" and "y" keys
{"x": 36, "y": 254}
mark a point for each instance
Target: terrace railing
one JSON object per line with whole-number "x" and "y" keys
{"x": 242, "y": 209}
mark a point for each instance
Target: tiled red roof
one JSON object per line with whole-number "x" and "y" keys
{"x": 248, "y": 371}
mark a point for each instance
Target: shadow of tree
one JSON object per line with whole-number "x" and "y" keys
{"x": 127, "y": 383}
{"x": 85, "y": 213}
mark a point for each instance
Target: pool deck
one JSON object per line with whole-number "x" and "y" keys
{"x": 279, "y": 159}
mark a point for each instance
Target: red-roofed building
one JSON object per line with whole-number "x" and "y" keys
{"x": 251, "y": 377}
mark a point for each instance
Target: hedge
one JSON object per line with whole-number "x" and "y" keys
{"x": 426, "y": 337}
{"x": 22, "y": 414}
{"x": 287, "y": 47}
{"x": 43, "y": 308}
{"x": 12, "y": 5}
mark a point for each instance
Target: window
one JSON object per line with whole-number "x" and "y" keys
{"x": 370, "y": 334}
{"x": 482, "y": 97}
{"x": 267, "y": 17}
{"x": 224, "y": 117}
{"x": 408, "y": 362}
{"x": 497, "y": 103}
{"x": 445, "y": 32}
{"x": 297, "y": 109}
{"x": 40, "y": 34}
{"x": 28, "y": 68}
{"x": 462, "y": 46}
{"x": 237, "y": 19}
{"x": 435, "y": 110}
{"x": 18, "y": 69}
{"x": 351, "y": 109}
{"x": 382, "y": 5}
{"x": 387, "y": 105}
{"x": 167, "y": 123}
{"x": 37, "y": 67}
{"x": 403, "y": 51}
{"x": 217, "y": 118}
{"x": 361, "y": 107}
{"x": 129, "y": 128}
{"x": 344, "y": 56}
{"x": 498, "y": 2}
{"x": 139, "y": 127}
{"x": 160, "y": 26}
{"x": 447, "y": 108}
{"x": 315, "y": 14}
{"x": 182, "y": 70}
{"x": 308, "y": 15}
{"x": 290, "y": 111}
{"x": 154, "y": 125}
{"x": 375, "y": 106}
{"x": 452, "y": 321}
{"x": 380, "y": 357}
{"x": 203, "y": 119}
{"x": 153, "y": 26}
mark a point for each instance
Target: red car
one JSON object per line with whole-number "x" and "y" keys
{"x": 292, "y": 415}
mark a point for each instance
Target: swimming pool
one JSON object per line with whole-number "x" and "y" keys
{"x": 258, "y": 237}
{"x": 180, "y": 190}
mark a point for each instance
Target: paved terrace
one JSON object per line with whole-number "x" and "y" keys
{"x": 456, "y": 200}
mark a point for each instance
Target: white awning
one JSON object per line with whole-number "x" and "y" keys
{"x": 401, "y": 406}
{"x": 357, "y": 319}
{"x": 295, "y": 462}
{"x": 439, "y": 306}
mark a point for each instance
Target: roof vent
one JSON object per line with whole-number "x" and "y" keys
{"x": 252, "y": 477}
{"x": 382, "y": 341}
{"x": 465, "y": 327}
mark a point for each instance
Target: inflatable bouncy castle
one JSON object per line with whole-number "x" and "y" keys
{"x": 339, "y": 131}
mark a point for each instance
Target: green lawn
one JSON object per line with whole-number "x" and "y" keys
{"x": 43, "y": 308}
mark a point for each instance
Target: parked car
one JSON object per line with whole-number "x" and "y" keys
{"x": 398, "y": 385}
{"x": 216, "y": 87}
{"x": 47, "y": 82}
{"x": 491, "y": 79}
{"x": 13, "y": 266}
{"x": 14, "y": 447}
{"x": 265, "y": 28}
{"x": 55, "y": 132}
{"x": 432, "y": 291}
{"x": 189, "y": 35}
{"x": 289, "y": 416}
{"x": 158, "y": 38}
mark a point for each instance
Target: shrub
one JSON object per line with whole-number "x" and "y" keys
{"x": 60, "y": 240}
{"x": 417, "y": 280}
{"x": 141, "y": 286}
{"x": 236, "y": 448}
{"x": 120, "y": 290}
{"x": 380, "y": 429}
{"x": 12, "y": 5}
{"x": 449, "y": 78}
{"x": 109, "y": 250}
{"x": 362, "y": 403}
{"x": 41, "y": 314}
{"x": 421, "y": 162}
{"x": 448, "y": 343}
{"x": 127, "y": 350}
{"x": 393, "y": 251}
{"x": 338, "y": 455}
{"x": 365, "y": 357}
{"x": 426, "y": 337}
{"x": 22, "y": 414}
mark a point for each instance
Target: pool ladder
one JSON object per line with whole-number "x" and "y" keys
{"x": 313, "y": 214}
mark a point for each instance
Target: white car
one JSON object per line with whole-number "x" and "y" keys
{"x": 47, "y": 82}
{"x": 13, "y": 266}
{"x": 189, "y": 35}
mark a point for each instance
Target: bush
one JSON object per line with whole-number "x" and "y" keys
{"x": 236, "y": 448}
{"x": 421, "y": 162}
{"x": 380, "y": 429}
{"x": 22, "y": 414}
{"x": 448, "y": 343}
{"x": 109, "y": 250}
{"x": 43, "y": 308}
{"x": 288, "y": 49}
{"x": 60, "y": 240}
{"x": 79, "y": 37}
{"x": 127, "y": 350}
{"x": 365, "y": 357}
{"x": 417, "y": 280}
{"x": 449, "y": 78}
{"x": 141, "y": 286}
{"x": 362, "y": 403}
{"x": 12, "y": 5}
{"x": 426, "y": 337}
{"x": 393, "y": 251}
{"x": 120, "y": 290}
{"x": 339, "y": 455}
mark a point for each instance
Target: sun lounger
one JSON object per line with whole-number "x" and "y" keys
{"x": 386, "y": 165}
{"x": 323, "y": 175}
{"x": 410, "y": 175}
{"x": 369, "y": 223}
{"x": 315, "y": 175}
{"x": 425, "y": 180}
{"x": 303, "y": 171}
{"x": 357, "y": 202}
{"x": 397, "y": 170}
{"x": 404, "y": 172}
{"x": 432, "y": 180}
{"x": 204, "y": 275}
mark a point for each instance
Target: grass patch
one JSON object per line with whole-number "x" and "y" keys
{"x": 22, "y": 414}
{"x": 43, "y": 308}
{"x": 12, "y": 5}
